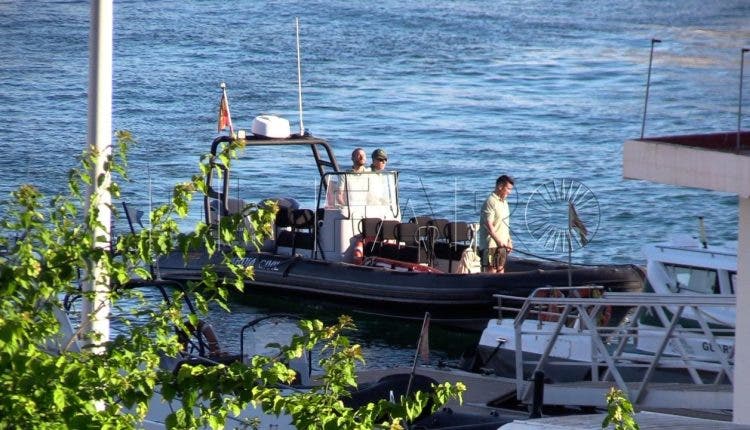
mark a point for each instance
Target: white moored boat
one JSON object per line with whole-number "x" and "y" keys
{"x": 687, "y": 267}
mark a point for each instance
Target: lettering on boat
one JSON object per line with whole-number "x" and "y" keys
{"x": 674, "y": 345}
{"x": 726, "y": 349}
{"x": 259, "y": 263}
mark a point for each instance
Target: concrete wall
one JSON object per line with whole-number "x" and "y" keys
{"x": 676, "y": 164}
{"x": 742, "y": 334}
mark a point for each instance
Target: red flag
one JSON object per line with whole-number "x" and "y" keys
{"x": 225, "y": 119}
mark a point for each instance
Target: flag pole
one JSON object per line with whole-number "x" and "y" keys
{"x": 570, "y": 252}
{"x": 422, "y": 342}
{"x": 570, "y": 243}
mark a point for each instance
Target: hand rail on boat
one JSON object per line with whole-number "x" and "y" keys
{"x": 696, "y": 250}
{"x": 612, "y": 346}
{"x": 322, "y": 164}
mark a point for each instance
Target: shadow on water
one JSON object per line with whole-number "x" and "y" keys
{"x": 385, "y": 341}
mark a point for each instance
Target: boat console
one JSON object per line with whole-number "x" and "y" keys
{"x": 351, "y": 198}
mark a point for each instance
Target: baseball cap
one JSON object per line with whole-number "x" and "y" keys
{"x": 379, "y": 153}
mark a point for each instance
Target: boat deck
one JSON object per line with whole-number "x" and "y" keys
{"x": 482, "y": 390}
{"x": 664, "y": 395}
{"x": 646, "y": 420}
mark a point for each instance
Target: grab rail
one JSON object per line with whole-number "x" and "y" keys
{"x": 680, "y": 322}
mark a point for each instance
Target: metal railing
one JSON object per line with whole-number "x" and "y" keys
{"x": 681, "y": 336}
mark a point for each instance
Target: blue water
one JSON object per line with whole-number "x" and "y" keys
{"x": 457, "y": 93}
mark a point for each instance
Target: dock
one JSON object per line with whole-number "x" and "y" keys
{"x": 484, "y": 390}
{"x": 646, "y": 421}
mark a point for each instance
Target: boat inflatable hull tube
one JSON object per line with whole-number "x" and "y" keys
{"x": 271, "y": 126}
{"x": 458, "y": 300}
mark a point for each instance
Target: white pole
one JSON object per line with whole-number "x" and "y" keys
{"x": 299, "y": 82}
{"x": 95, "y": 312}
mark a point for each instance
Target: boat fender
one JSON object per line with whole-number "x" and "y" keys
{"x": 205, "y": 335}
{"x": 359, "y": 251}
{"x": 605, "y": 312}
{"x": 553, "y": 310}
{"x": 207, "y": 331}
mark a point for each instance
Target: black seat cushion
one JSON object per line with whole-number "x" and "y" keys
{"x": 457, "y": 232}
{"x": 303, "y": 218}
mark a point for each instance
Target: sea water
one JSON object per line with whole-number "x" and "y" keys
{"x": 456, "y": 92}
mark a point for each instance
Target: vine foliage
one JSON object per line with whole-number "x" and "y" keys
{"x": 52, "y": 380}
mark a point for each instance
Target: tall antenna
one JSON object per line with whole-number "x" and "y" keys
{"x": 648, "y": 84}
{"x": 739, "y": 108}
{"x": 299, "y": 82}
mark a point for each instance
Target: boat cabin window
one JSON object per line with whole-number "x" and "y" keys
{"x": 693, "y": 279}
{"x": 732, "y": 281}
{"x": 356, "y": 191}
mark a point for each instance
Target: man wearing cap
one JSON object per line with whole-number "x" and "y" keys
{"x": 380, "y": 192}
{"x": 379, "y": 158}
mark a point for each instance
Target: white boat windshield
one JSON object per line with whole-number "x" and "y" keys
{"x": 354, "y": 192}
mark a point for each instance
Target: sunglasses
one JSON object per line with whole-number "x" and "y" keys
{"x": 382, "y": 160}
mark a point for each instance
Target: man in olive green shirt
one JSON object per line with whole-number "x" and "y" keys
{"x": 494, "y": 227}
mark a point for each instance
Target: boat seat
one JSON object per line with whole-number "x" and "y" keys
{"x": 302, "y": 224}
{"x": 295, "y": 240}
{"x": 302, "y": 219}
{"x": 407, "y": 232}
{"x": 284, "y": 217}
{"x": 458, "y": 232}
{"x": 457, "y": 237}
{"x": 387, "y": 237}
{"x": 438, "y": 239}
{"x": 368, "y": 228}
{"x": 438, "y": 232}
{"x": 420, "y": 220}
{"x": 234, "y": 206}
{"x": 412, "y": 237}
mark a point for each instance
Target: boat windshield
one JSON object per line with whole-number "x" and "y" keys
{"x": 694, "y": 279}
{"x": 358, "y": 191}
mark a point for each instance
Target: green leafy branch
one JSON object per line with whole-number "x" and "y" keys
{"x": 48, "y": 380}
{"x": 620, "y": 411}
